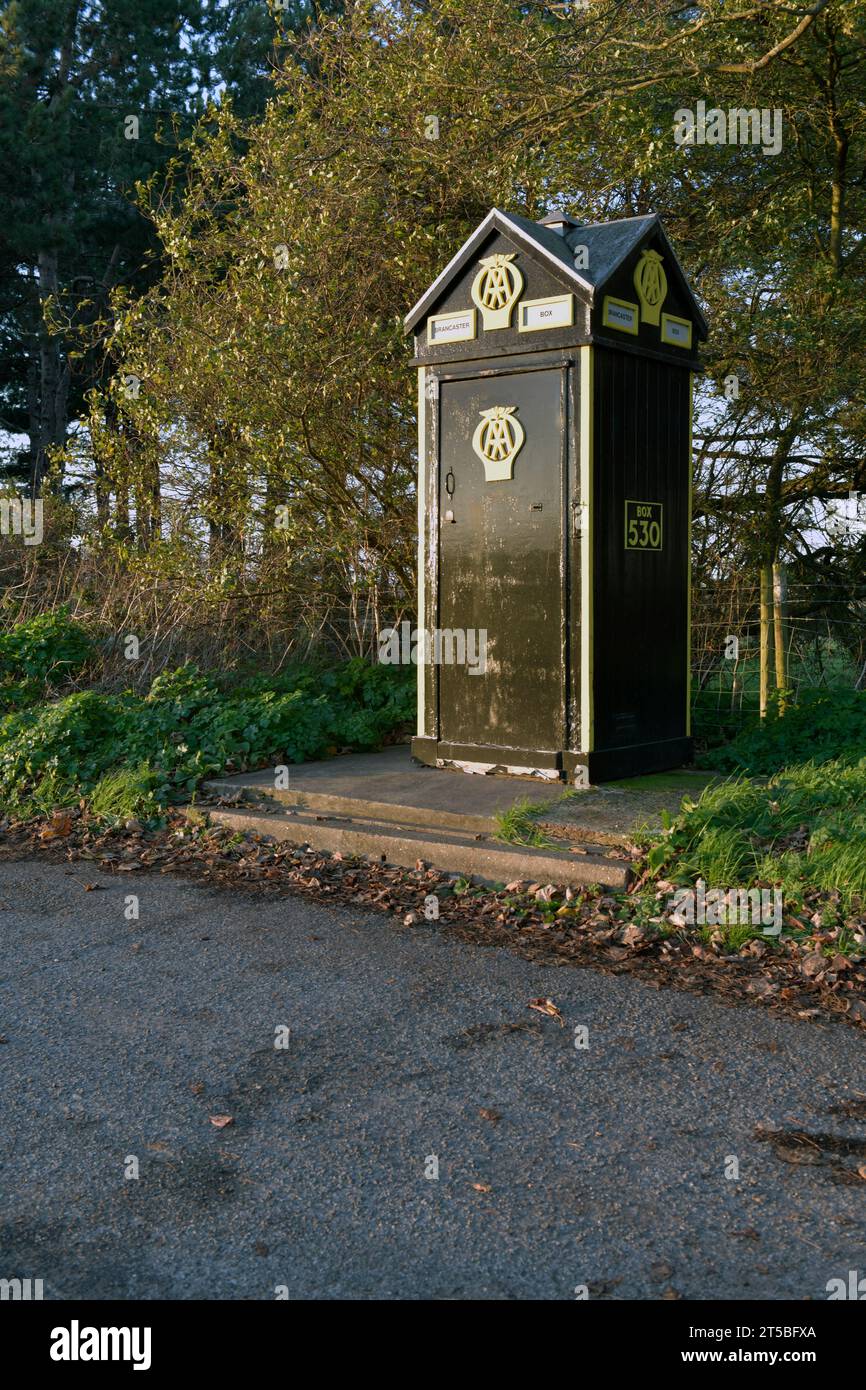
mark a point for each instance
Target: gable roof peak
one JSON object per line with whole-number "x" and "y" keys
{"x": 556, "y": 238}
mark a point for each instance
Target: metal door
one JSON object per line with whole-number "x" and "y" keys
{"x": 501, "y": 558}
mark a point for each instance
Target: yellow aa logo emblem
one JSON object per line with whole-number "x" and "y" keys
{"x": 495, "y": 289}
{"x": 497, "y": 441}
{"x": 651, "y": 284}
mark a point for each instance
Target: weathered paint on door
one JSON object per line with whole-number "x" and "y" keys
{"x": 500, "y": 563}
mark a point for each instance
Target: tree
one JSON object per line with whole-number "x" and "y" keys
{"x": 271, "y": 356}
{"x": 95, "y": 95}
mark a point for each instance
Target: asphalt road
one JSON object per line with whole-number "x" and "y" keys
{"x": 606, "y": 1166}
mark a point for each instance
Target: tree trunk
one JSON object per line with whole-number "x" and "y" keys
{"x": 53, "y": 381}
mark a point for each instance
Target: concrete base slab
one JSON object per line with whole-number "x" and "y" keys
{"x": 475, "y": 856}
{"x": 392, "y": 778}
{"x": 390, "y": 786}
{"x": 615, "y": 813}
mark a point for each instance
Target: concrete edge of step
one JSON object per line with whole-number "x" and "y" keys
{"x": 487, "y": 862}
{"x": 354, "y": 806}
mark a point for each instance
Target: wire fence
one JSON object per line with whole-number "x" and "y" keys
{"x": 823, "y": 635}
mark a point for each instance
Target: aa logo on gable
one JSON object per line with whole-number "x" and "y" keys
{"x": 495, "y": 289}
{"x": 497, "y": 441}
{"x": 651, "y": 284}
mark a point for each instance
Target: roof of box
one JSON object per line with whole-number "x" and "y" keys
{"x": 608, "y": 245}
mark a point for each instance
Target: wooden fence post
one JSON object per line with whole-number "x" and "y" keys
{"x": 766, "y": 619}
{"x": 780, "y": 603}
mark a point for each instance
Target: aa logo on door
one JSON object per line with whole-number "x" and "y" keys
{"x": 497, "y": 441}
{"x": 495, "y": 289}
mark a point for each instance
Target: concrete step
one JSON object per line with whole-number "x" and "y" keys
{"x": 476, "y": 855}
{"x": 330, "y": 803}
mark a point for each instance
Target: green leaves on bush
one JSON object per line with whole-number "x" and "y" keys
{"x": 135, "y": 754}
{"x": 828, "y": 725}
{"x": 40, "y": 655}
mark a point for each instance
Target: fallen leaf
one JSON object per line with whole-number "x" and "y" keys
{"x": 481, "y": 1186}
{"x": 492, "y": 1115}
{"x": 813, "y": 965}
{"x": 220, "y": 1121}
{"x": 762, "y": 988}
{"x": 547, "y": 1006}
{"x": 59, "y": 825}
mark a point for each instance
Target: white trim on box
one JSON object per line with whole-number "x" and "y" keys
{"x": 587, "y": 714}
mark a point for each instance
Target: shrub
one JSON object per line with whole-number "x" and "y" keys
{"x": 128, "y": 754}
{"x": 40, "y": 655}
{"x": 826, "y": 726}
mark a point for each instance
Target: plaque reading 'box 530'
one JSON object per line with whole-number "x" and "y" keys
{"x": 555, "y": 364}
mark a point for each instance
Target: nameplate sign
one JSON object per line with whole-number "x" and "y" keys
{"x": 619, "y": 313}
{"x": 535, "y": 314}
{"x": 451, "y": 328}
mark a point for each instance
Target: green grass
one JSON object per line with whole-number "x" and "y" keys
{"x": 800, "y": 830}
{"x": 517, "y": 825}
{"x": 826, "y": 669}
{"x": 678, "y": 780}
{"x": 126, "y": 791}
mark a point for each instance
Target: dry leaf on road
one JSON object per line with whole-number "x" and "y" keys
{"x": 547, "y": 1006}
